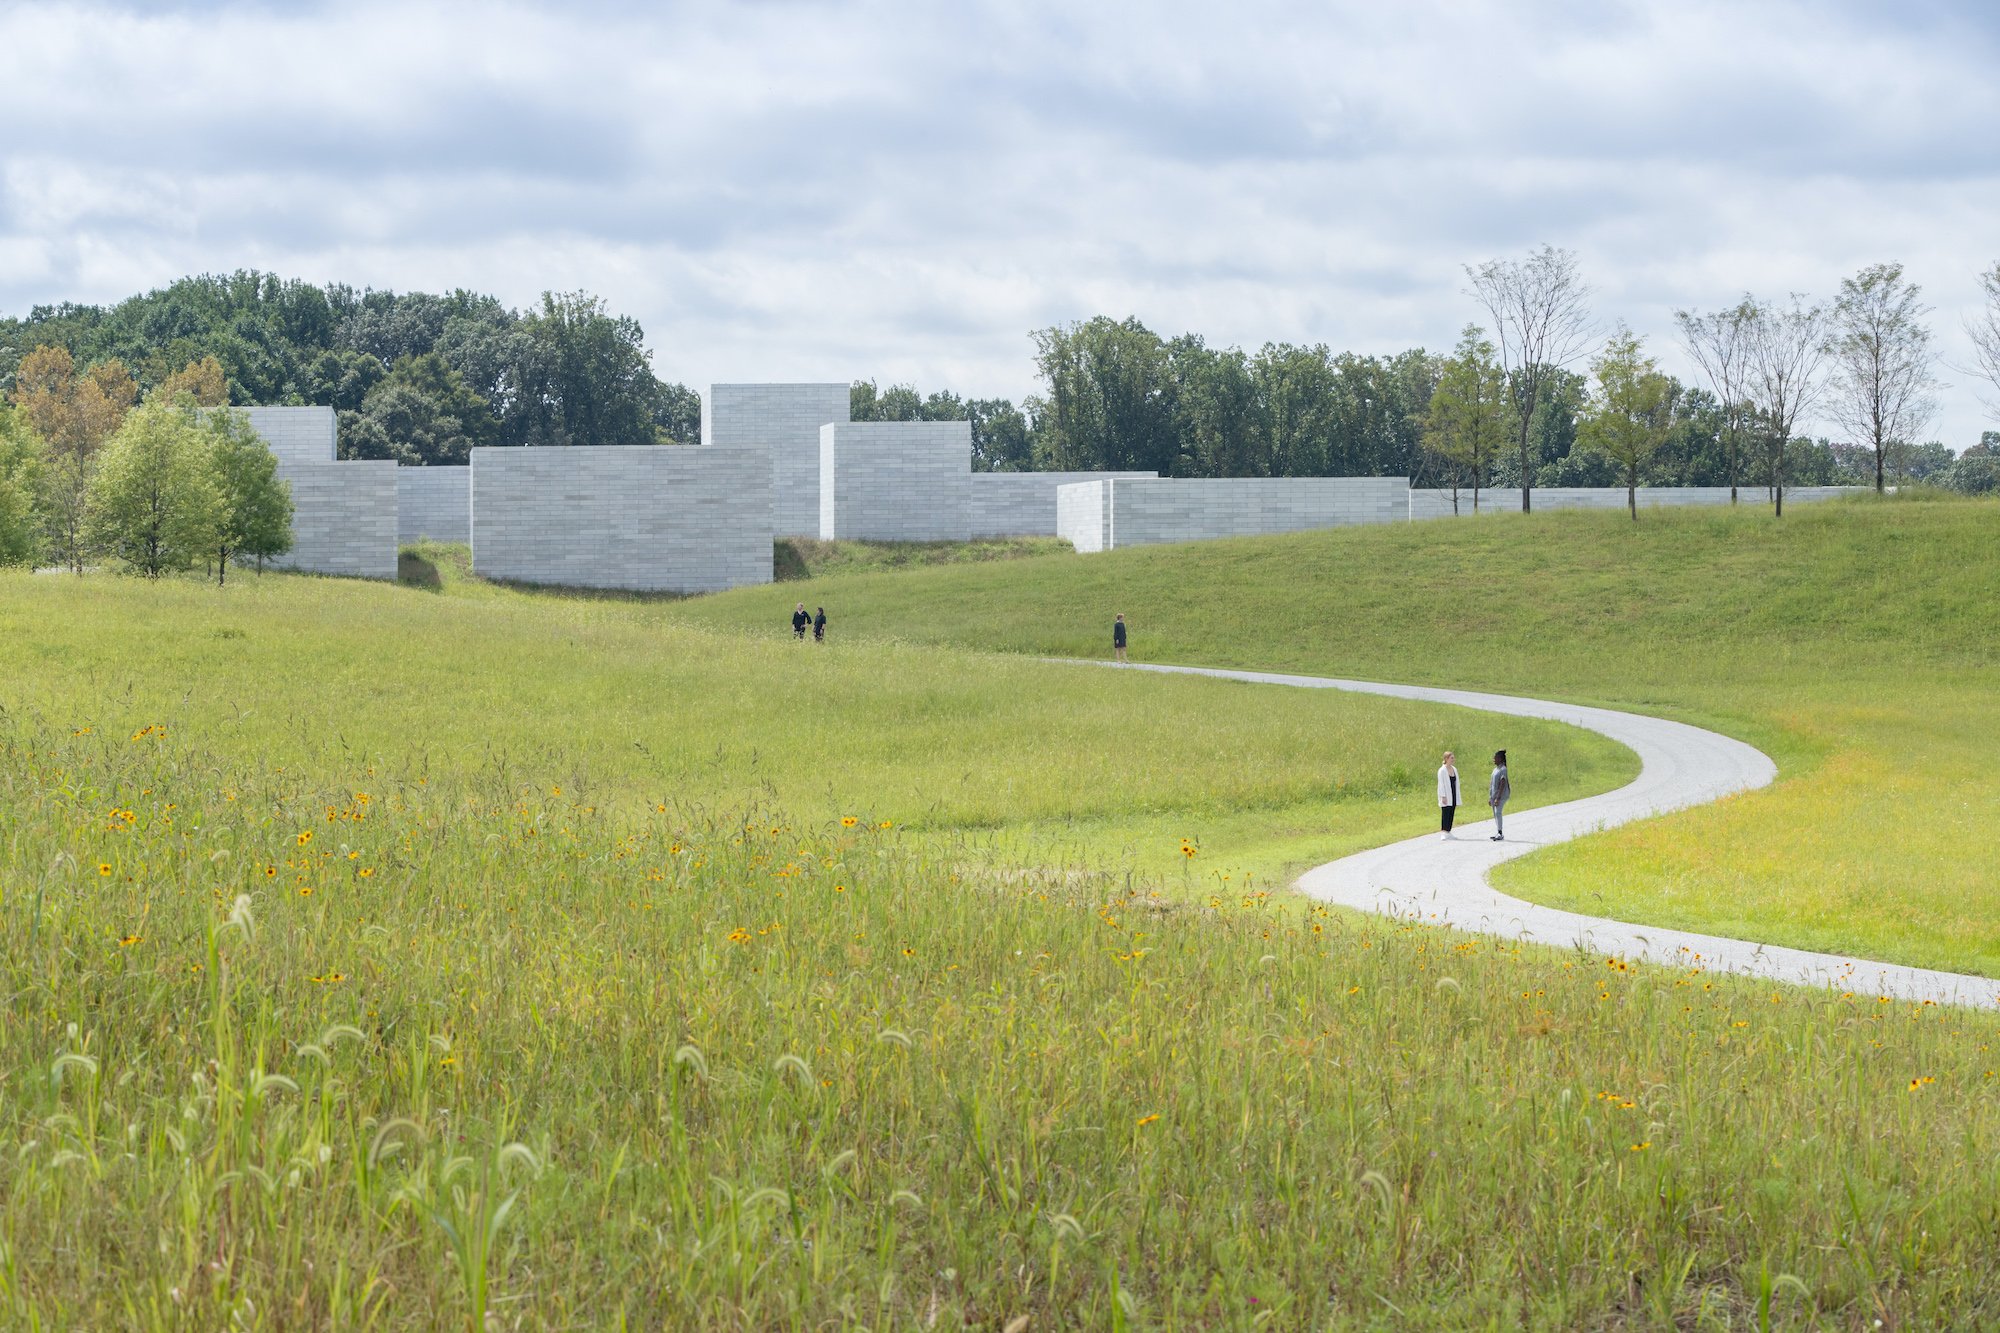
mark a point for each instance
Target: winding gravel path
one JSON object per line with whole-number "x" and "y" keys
{"x": 1680, "y": 766}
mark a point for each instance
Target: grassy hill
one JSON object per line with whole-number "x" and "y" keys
{"x": 373, "y": 957}
{"x": 1858, "y": 643}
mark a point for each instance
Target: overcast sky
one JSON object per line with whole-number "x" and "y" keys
{"x": 903, "y": 190}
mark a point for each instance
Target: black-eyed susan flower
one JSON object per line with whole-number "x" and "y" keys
{"x": 848, "y": 821}
{"x": 103, "y": 867}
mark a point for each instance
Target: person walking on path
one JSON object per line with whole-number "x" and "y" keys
{"x": 799, "y": 622}
{"x": 1118, "y": 636}
{"x": 1498, "y": 789}
{"x": 819, "y": 626}
{"x": 1447, "y": 795}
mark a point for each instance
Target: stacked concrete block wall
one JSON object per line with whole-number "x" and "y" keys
{"x": 785, "y": 419}
{"x": 1023, "y": 504}
{"x": 343, "y": 518}
{"x": 1083, "y": 515}
{"x": 642, "y": 518}
{"x": 1437, "y": 503}
{"x": 895, "y": 481}
{"x": 297, "y": 434}
{"x": 1150, "y": 512}
{"x": 434, "y": 503}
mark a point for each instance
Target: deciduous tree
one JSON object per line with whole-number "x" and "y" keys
{"x": 1467, "y": 422}
{"x": 201, "y": 380}
{"x": 1884, "y": 387}
{"x": 74, "y": 414}
{"x": 153, "y": 502}
{"x": 1719, "y": 343}
{"x": 253, "y": 507}
{"x": 1984, "y": 330}
{"x": 1630, "y": 412}
{"x": 1788, "y": 351}
{"x": 1540, "y": 310}
{"x": 21, "y": 456}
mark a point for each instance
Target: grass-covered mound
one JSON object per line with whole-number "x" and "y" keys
{"x": 412, "y": 1047}
{"x": 1859, "y": 643}
{"x": 621, "y": 702}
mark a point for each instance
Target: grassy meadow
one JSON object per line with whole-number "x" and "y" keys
{"x": 347, "y": 1047}
{"x": 1857, "y": 642}
{"x": 459, "y": 957}
{"x": 622, "y": 703}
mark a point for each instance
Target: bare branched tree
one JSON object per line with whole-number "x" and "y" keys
{"x": 1719, "y": 344}
{"x": 1540, "y": 308}
{"x": 1884, "y": 390}
{"x": 1984, "y": 330}
{"x": 1788, "y": 351}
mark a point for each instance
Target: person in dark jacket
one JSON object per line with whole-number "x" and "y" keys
{"x": 819, "y": 626}
{"x": 1498, "y": 789}
{"x": 1118, "y": 636}
{"x": 799, "y": 622}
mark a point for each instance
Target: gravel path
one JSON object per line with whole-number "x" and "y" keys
{"x": 1680, "y": 766}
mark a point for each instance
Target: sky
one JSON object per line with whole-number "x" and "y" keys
{"x": 797, "y": 189}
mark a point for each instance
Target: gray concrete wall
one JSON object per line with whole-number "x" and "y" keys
{"x": 1083, "y": 516}
{"x": 784, "y": 418}
{"x": 343, "y": 518}
{"x": 894, "y": 481}
{"x": 1149, "y": 512}
{"x": 434, "y": 503}
{"x": 297, "y": 434}
{"x": 1022, "y": 504}
{"x": 1437, "y": 503}
{"x": 644, "y": 518}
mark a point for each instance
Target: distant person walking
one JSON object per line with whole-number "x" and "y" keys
{"x": 799, "y": 622}
{"x": 1498, "y": 789}
{"x": 819, "y": 626}
{"x": 1118, "y": 636}
{"x": 1447, "y": 795}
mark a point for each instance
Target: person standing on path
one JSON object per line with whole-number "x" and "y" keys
{"x": 1118, "y": 636}
{"x": 819, "y": 626}
{"x": 1447, "y": 795}
{"x": 799, "y": 622}
{"x": 1498, "y": 789}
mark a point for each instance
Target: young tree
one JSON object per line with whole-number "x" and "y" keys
{"x": 153, "y": 502}
{"x": 1467, "y": 421}
{"x": 1631, "y": 413}
{"x": 1984, "y": 330}
{"x": 1719, "y": 344}
{"x": 1884, "y": 389}
{"x": 253, "y": 507}
{"x": 1788, "y": 350}
{"x": 74, "y": 415}
{"x": 1540, "y": 309}
{"x": 200, "y": 380}
{"x": 21, "y": 453}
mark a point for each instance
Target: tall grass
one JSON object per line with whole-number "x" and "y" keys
{"x": 391, "y": 1048}
{"x": 1856, "y": 642}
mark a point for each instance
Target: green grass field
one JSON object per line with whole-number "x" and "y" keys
{"x": 1857, "y": 643}
{"x": 390, "y": 958}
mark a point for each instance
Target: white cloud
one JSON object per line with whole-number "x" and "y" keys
{"x": 904, "y": 190}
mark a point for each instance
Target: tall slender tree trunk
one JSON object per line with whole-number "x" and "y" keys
{"x": 1878, "y": 462}
{"x": 1778, "y": 480}
{"x": 1527, "y": 486}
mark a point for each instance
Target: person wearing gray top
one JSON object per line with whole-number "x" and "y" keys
{"x": 1498, "y": 789}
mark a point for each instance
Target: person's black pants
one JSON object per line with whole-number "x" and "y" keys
{"x": 1447, "y": 813}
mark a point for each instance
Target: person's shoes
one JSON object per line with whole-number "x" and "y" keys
{"x": 1499, "y": 837}
{"x": 1446, "y": 837}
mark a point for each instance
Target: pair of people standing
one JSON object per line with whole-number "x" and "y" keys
{"x": 1498, "y": 790}
{"x": 800, "y": 620}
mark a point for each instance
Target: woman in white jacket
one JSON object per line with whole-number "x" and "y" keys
{"x": 1447, "y": 795}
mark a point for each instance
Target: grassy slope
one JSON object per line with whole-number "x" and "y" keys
{"x": 1855, "y": 642}
{"x": 625, "y": 704}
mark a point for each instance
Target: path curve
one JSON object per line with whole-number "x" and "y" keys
{"x": 1680, "y": 766}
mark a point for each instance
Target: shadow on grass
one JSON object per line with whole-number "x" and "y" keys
{"x": 416, "y": 570}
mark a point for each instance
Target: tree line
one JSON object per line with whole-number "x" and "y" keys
{"x": 416, "y": 377}
{"x": 1533, "y": 397}
{"x": 89, "y": 472}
